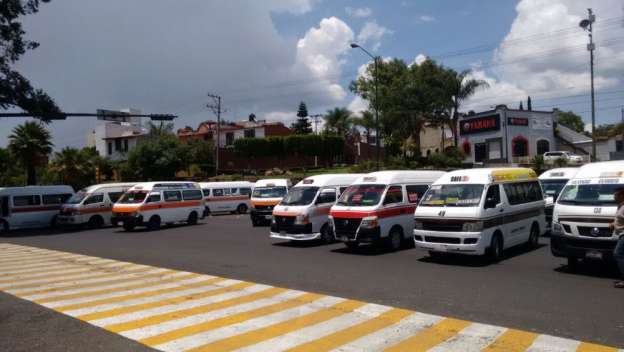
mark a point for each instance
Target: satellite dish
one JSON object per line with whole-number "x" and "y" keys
{"x": 585, "y": 23}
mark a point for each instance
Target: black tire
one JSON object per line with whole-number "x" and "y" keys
{"x": 95, "y": 222}
{"x": 495, "y": 251}
{"x": 192, "y": 219}
{"x": 533, "y": 241}
{"x": 128, "y": 227}
{"x": 327, "y": 236}
{"x": 395, "y": 239}
{"x": 153, "y": 223}
{"x": 241, "y": 209}
{"x": 54, "y": 222}
{"x": 573, "y": 263}
{"x": 4, "y": 228}
{"x": 352, "y": 245}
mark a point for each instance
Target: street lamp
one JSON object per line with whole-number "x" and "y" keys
{"x": 354, "y": 46}
{"x": 586, "y": 24}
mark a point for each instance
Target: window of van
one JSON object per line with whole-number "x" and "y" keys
{"x": 24, "y": 201}
{"x": 206, "y": 192}
{"x": 245, "y": 191}
{"x": 269, "y": 192}
{"x": 589, "y": 194}
{"x": 362, "y": 195}
{"x": 415, "y": 192}
{"x": 523, "y": 192}
{"x": 94, "y": 198}
{"x": 153, "y": 198}
{"x": 114, "y": 196}
{"x": 54, "y": 198}
{"x": 394, "y": 195}
{"x": 300, "y": 196}
{"x": 327, "y": 195}
{"x": 217, "y": 192}
{"x": 77, "y": 198}
{"x": 553, "y": 187}
{"x": 492, "y": 196}
{"x": 133, "y": 197}
{"x": 192, "y": 194}
{"x": 172, "y": 196}
{"x": 464, "y": 195}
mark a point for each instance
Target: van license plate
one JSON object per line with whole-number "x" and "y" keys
{"x": 268, "y": 217}
{"x": 593, "y": 255}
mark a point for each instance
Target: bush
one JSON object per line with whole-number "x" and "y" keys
{"x": 537, "y": 163}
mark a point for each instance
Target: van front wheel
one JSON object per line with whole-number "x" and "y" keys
{"x": 192, "y": 219}
{"x": 496, "y": 248}
{"x": 533, "y": 241}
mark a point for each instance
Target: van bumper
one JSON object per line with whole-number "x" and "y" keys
{"x": 363, "y": 235}
{"x": 577, "y": 247}
{"x": 70, "y": 220}
{"x": 296, "y": 236}
{"x": 261, "y": 215}
{"x": 131, "y": 220}
{"x": 470, "y": 243}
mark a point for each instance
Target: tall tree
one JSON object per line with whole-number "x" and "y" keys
{"x": 74, "y": 167}
{"x": 529, "y": 104}
{"x": 15, "y": 89}
{"x": 338, "y": 121}
{"x": 571, "y": 120}
{"x": 461, "y": 87}
{"x": 31, "y": 143}
{"x": 302, "y": 125}
{"x": 367, "y": 122}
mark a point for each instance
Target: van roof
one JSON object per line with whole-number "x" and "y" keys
{"x": 273, "y": 182}
{"x": 36, "y": 189}
{"x": 400, "y": 177}
{"x": 328, "y": 180}
{"x": 602, "y": 169}
{"x": 488, "y": 175}
{"x": 170, "y": 184}
{"x": 92, "y": 188}
{"x": 226, "y": 184}
{"x": 562, "y": 173}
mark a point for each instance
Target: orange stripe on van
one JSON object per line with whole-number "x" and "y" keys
{"x": 264, "y": 202}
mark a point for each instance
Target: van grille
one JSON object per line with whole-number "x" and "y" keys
{"x": 284, "y": 223}
{"x": 436, "y": 239}
{"x": 587, "y": 231}
{"x": 443, "y": 225}
{"x": 346, "y": 227}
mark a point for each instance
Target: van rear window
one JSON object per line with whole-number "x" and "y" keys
{"x": 192, "y": 194}
{"x": 24, "y": 201}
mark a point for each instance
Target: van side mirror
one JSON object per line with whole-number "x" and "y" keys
{"x": 490, "y": 203}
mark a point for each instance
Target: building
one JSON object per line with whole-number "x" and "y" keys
{"x": 114, "y": 137}
{"x": 431, "y": 140}
{"x": 507, "y": 136}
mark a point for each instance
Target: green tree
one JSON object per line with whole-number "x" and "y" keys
{"x": 31, "y": 144}
{"x": 338, "y": 121}
{"x": 460, "y": 88}
{"x": 10, "y": 173}
{"x": 158, "y": 159}
{"x": 302, "y": 125}
{"x": 73, "y": 167}
{"x": 571, "y": 120}
{"x": 201, "y": 153}
{"x": 15, "y": 89}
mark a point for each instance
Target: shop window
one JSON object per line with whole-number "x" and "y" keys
{"x": 480, "y": 152}
{"x": 494, "y": 149}
{"x": 117, "y": 145}
{"x": 543, "y": 146}
{"x": 520, "y": 146}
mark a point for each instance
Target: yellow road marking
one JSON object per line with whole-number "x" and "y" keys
{"x": 512, "y": 340}
{"x": 329, "y": 342}
{"x": 54, "y": 267}
{"x": 96, "y": 273}
{"x": 165, "y": 302}
{"x": 19, "y": 260}
{"x": 77, "y": 270}
{"x": 428, "y": 338}
{"x": 591, "y": 347}
{"x": 144, "y": 294}
{"x": 271, "y": 331}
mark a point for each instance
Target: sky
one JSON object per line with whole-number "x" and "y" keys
{"x": 264, "y": 57}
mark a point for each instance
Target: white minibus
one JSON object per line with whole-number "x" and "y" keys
{"x": 227, "y": 196}
{"x": 583, "y": 212}
{"x": 265, "y": 196}
{"x": 151, "y": 204}
{"x": 31, "y": 206}
{"x": 303, "y": 213}
{"x": 92, "y": 205}
{"x": 379, "y": 207}
{"x": 481, "y": 212}
{"x": 552, "y": 182}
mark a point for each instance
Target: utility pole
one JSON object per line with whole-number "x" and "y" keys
{"x": 216, "y": 108}
{"x": 587, "y": 24}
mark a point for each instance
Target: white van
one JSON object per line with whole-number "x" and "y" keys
{"x": 151, "y": 204}
{"x": 552, "y": 182}
{"x": 303, "y": 213}
{"x": 481, "y": 212}
{"x": 265, "y": 196}
{"x": 380, "y": 207}
{"x": 92, "y": 205}
{"x": 31, "y": 206}
{"x": 583, "y": 212}
{"x": 227, "y": 196}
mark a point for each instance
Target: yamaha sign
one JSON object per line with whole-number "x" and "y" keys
{"x": 479, "y": 124}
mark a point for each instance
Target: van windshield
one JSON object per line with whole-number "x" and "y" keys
{"x": 552, "y": 188}
{"x": 589, "y": 194}
{"x": 453, "y": 196}
{"x": 361, "y": 195}
{"x": 134, "y": 197}
{"x": 269, "y": 192}
{"x": 77, "y": 198}
{"x": 300, "y": 196}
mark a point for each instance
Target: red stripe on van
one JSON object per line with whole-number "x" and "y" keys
{"x": 34, "y": 209}
{"x": 381, "y": 213}
{"x": 225, "y": 198}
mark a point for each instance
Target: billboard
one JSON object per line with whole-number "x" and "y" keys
{"x": 479, "y": 124}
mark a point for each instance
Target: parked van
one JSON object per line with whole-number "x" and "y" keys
{"x": 379, "y": 207}
{"x": 481, "y": 212}
{"x": 92, "y": 205}
{"x": 552, "y": 182}
{"x": 227, "y": 196}
{"x": 303, "y": 213}
{"x": 583, "y": 212}
{"x": 31, "y": 206}
{"x": 151, "y": 204}
{"x": 265, "y": 196}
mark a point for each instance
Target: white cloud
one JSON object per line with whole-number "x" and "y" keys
{"x": 372, "y": 33}
{"x": 425, "y": 19}
{"x": 286, "y": 117}
{"x": 419, "y": 59}
{"x": 357, "y": 105}
{"x": 358, "y": 12}
{"x": 498, "y": 92}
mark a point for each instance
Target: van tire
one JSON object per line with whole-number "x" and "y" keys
{"x": 327, "y": 236}
{"x": 495, "y": 251}
{"x": 192, "y": 218}
{"x": 241, "y": 209}
{"x": 153, "y": 223}
{"x": 54, "y": 222}
{"x": 4, "y": 228}
{"x": 352, "y": 245}
{"x": 95, "y": 222}
{"x": 395, "y": 239}
{"x": 534, "y": 235}
{"x": 128, "y": 227}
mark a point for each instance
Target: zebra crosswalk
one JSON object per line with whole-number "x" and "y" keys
{"x": 173, "y": 310}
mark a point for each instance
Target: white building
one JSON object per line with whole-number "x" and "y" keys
{"x": 114, "y": 137}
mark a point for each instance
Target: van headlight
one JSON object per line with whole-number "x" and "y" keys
{"x": 369, "y": 222}
{"x": 556, "y": 227}
{"x": 474, "y": 226}
{"x": 418, "y": 225}
{"x": 302, "y": 219}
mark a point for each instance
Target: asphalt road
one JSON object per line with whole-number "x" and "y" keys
{"x": 528, "y": 290}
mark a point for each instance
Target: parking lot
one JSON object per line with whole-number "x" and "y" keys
{"x": 528, "y": 290}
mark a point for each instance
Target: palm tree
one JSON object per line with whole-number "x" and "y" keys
{"x": 339, "y": 121}
{"x": 31, "y": 143}
{"x": 74, "y": 167}
{"x": 461, "y": 88}
{"x": 367, "y": 121}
